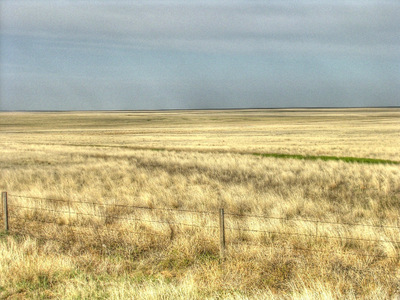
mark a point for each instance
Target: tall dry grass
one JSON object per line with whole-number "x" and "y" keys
{"x": 200, "y": 161}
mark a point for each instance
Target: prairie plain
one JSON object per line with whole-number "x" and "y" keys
{"x": 144, "y": 189}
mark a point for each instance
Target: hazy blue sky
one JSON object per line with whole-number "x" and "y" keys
{"x": 84, "y": 55}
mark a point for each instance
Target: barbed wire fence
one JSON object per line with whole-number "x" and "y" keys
{"x": 226, "y": 229}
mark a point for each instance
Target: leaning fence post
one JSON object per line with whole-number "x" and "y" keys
{"x": 5, "y": 210}
{"x": 221, "y": 233}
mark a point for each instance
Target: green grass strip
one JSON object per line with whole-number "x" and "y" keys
{"x": 326, "y": 158}
{"x": 361, "y": 160}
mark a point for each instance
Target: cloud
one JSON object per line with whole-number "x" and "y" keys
{"x": 198, "y": 54}
{"x": 241, "y": 26}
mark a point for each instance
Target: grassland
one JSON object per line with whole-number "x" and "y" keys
{"x": 338, "y": 167}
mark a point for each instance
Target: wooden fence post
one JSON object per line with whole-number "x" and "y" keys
{"x": 221, "y": 233}
{"x": 5, "y": 210}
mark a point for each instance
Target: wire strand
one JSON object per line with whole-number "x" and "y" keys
{"x": 118, "y": 205}
{"x": 310, "y": 220}
{"x": 208, "y": 212}
{"x": 313, "y": 235}
{"x": 118, "y": 218}
{"x": 310, "y": 250}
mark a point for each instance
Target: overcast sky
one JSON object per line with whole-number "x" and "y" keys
{"x": 92, "y": 55}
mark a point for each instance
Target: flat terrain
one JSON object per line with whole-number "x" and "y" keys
{"x": 347, "y": 132}
{"x": 125, "y": 204}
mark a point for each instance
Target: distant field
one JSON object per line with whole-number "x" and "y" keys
{"x": 371, "y": 133}
{"x": 323, "y": 183}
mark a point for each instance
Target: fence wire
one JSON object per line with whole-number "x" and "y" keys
{"x": 106, "y": 216}
{"x": 118, "y": 205}
{"x": 311, "y": 250}
{"x": 285, "y": 219}
{"x": 97, "y": 228}
{"x": 113, "y": 217}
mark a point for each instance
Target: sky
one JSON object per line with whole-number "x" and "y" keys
{"x": 148, "y": 55}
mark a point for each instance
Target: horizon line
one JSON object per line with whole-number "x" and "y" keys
{"x": 200, "y": 109}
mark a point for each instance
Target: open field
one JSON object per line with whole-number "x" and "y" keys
{"x": 324, "y": 228}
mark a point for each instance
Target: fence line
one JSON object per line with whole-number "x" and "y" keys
{"x": 119, "y": 205}
{"x": 107, "y": 229}
{"x": 313, "y": 250}
{"x": 212, "y": 212}
{"x": 316, "y": 235}
{"x": 206, "y": 226}
{"x": 311, "y": 221}
{"x": 7, "y": 206}
{"x": 113, "y": 217}
{"x": 234, "y": 243}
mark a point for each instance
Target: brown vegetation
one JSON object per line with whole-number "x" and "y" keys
{"x": 200, "y": 161}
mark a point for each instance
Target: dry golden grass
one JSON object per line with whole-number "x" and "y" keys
{"x": 200, "y": 161}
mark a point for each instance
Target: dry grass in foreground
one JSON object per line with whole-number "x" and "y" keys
{"x": 106, "y": 248}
